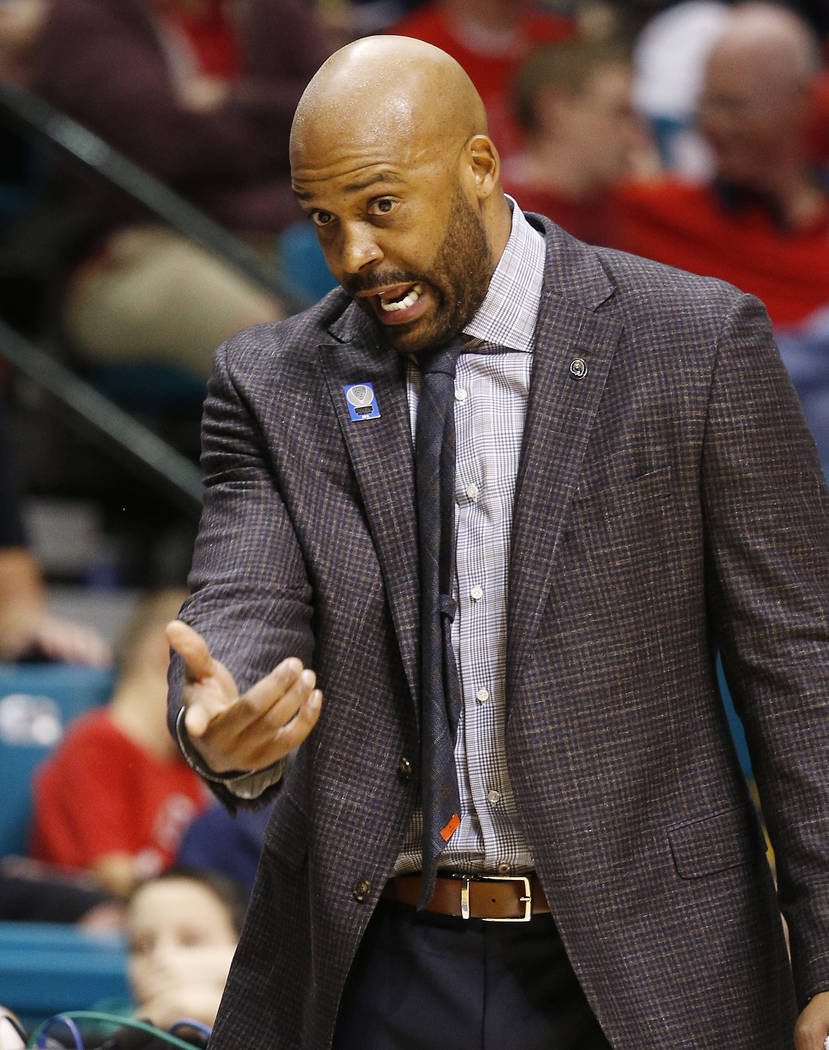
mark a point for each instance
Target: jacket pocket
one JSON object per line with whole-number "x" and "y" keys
{"x": 725, "y": 840}
{"x": 651, "y": 481}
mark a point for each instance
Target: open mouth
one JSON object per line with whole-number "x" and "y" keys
{"x": 396, "y": 299}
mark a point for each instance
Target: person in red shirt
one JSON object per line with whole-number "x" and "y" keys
{"x": 490, "y": 39}
{"x": 573, "y": 101}
{"x": 116, "y": 797}
{"x": 763, "y": 222}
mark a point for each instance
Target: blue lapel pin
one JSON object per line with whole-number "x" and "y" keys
{"x": 361, "y": 401}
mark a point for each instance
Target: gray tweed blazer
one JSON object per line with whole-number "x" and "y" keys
{"x": 669, "y": 502}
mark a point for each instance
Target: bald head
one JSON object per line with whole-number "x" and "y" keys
{"x": 772, "y": 37}
{"x": 756, "y": 99}
{"x": 391, "y": 160}
{"x": 383, "y": 87}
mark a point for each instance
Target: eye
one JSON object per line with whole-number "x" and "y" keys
{"x": 382, "y": 206}
{"x": 191, "y": 939}
{"x": 321, "y": 218}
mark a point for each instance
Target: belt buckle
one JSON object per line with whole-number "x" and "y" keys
{"x": 526, "y": 899}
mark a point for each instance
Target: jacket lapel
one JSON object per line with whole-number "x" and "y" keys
{"x": 574, "y": 346}
{"x": 381, "y": 455}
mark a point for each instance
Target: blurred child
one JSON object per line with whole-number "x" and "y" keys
{"x": 116, "y": 796}
{"x": 182, "y": 928}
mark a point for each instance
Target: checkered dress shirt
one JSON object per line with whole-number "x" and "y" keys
{"x": 491, "y": 390}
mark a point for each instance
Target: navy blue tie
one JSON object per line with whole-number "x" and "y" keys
{"x": 439, "y": 686}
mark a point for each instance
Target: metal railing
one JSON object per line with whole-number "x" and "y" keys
{"x": 119, "y": 434}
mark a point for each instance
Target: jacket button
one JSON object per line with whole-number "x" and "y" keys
{"x": 361, "y": 890}
{"x": 405, "y": 767}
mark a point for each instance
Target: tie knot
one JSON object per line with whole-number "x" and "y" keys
{"x": 443, "y": 359}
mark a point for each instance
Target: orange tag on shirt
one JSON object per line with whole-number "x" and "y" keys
{"x": 450, "y": 829}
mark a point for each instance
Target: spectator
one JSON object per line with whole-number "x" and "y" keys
{"x": 28, "y": 627}
{"x": 116, "y": 797}
{"x": 669, "y": 57}
{"x": 33, "y": 892}
{"x": 20, "y": 25}
{"x": 573, "y": 102}
{"x": 763, "y": 221}
{"x": 230, "y": 845}
{"x": 182, "y": 928}
{"x": 490, "y": 39}
{"x": 201, "y": 94}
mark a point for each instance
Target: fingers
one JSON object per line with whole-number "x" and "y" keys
{"x": 192, "y": 648}
{"x": 72, "y": 642}
{"x": 271, "y": 719}
{"x": 291, "y": 735}
{"x": 813, "y": 1024}
{"x": 210, "y": 688}
{"x": 245, "y": 732}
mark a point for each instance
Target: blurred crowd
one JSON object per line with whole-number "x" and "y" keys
{"x": 694, "y": 133}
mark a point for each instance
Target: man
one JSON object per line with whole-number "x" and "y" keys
{"x": 573, "y": 102}
{"x": 763, "y": 222}
{"x": 631, "y": 459}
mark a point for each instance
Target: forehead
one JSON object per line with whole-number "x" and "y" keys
{"x": 350, "y": 167}
{"x": 748, "y": 72}
{"x": 610, "y": 81}
{"x": 156, "y": 904}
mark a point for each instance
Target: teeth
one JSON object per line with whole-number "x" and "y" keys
{"x": 402, "y": 304}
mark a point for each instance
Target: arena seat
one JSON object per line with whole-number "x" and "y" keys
{"x": 37, "y": 702}
{"x": 46, "y": 968}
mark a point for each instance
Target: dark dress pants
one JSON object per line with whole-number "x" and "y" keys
{"x": 423, "y": 981}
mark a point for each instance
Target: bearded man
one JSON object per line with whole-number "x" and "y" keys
{"x": 501, "y": 498}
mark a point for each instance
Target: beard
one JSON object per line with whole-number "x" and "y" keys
{"x": 459, "y": 279}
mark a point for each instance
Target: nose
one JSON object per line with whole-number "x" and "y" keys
{"x": 360, "y": 249}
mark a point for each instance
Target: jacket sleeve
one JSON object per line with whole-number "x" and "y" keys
{"x": 251, "y": 598}
{"x": 767, "y": 534}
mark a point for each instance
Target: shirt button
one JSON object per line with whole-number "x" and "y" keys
{"x": 360, "y": 890}
{"x": 482, "y": 696}
{"x": 476, "y": 594}
{"x": 504, "y": 868}
{"x": 460, "y": 394}
{"x": 472, "y": 491}
{"x": 493, "y": 797}
{"x": 405, "y": 767}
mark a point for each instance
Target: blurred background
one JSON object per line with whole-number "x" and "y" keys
{"x": 146, "y": 215}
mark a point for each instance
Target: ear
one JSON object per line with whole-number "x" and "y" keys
{"x": 484, "y": 165}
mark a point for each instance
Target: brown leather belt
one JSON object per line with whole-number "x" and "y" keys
{"x": 494, "y": 898}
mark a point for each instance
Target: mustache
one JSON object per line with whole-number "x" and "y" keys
{"x": 370, "y": 281}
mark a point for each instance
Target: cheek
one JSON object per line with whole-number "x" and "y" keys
{"x": 138, "y": 971}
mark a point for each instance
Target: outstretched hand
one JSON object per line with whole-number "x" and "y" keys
{"x": 812, "y": 1026}
{"x": 246, "y": 732}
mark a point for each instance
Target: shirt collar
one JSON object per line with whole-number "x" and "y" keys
{"x": 508, "y": 314}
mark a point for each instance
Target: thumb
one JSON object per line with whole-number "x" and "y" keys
{"x": 192, "y": 648}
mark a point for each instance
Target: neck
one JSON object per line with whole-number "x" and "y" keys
{"x": 547, "y": 164}
{"x": 791, "y": 186}
{"x": 801, "y": 200}
{"x": 499, "y": 228}
{"x": 138, "y": 709}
